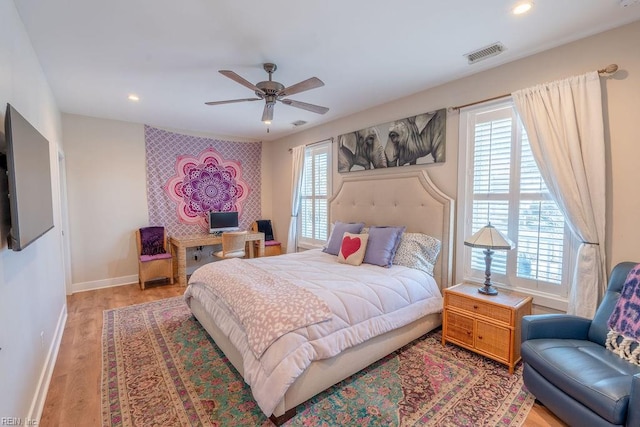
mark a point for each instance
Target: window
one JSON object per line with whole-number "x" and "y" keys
{"x": 315, "y": 193}
{"x": 501, "y": 183}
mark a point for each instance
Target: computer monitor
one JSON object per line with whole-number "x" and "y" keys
{"x": 223, "y": 221}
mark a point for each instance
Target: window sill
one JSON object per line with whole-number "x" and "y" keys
{"x": 541, "y": 299}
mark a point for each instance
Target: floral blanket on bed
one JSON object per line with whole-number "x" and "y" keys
{"x": 624, "y": 334}
{"x": 266, "y": 306}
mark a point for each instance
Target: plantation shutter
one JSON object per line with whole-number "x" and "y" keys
{"x": 508, "y": 191}
{"x": 541, "y": 225}
{"x": 316, "y": 189}
{"x": 491, "y": 184}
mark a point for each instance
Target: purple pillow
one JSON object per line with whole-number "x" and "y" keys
{"x": 339, "y": 228}
{"x": 382, "y": 245}
{"x": 152, "y": 239}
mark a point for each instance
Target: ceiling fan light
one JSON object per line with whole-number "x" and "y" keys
{"x": 267, "y": 122}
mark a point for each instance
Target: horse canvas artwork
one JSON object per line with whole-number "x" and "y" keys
{"x": 415, "y": 140}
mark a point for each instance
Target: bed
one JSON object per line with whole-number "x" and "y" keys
{"x": 405, "y": 198}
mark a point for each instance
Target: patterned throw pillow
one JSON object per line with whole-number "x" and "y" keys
{"x": 419, "y": 251}
{"x": 353, "y": 248}
{"x": 624, "y": 323}
{"x": 152, "y": 240}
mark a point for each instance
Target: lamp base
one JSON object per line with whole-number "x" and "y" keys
{"x": 488, "y": 290}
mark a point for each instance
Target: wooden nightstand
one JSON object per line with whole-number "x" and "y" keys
{"x": 488, "y": 325}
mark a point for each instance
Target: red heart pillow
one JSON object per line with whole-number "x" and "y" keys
{"x": 350, "y": 245}
{"x": 353, "y": 248}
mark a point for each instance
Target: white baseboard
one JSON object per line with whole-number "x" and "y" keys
{"x": 37, "y": 404}
{"x": 105, "y": 283}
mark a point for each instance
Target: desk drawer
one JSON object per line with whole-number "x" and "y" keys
{"x": 500, "y": 314}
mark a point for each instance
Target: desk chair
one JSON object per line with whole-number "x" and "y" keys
{"x": 233, "y": 243}
{"x": 153, "y": 259}
{"x": 271, "y": 246}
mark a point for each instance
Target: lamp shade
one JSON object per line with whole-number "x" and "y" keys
{"x": 490, "y": 238}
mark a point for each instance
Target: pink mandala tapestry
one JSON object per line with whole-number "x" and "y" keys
{"x": 189, "y": 175}
{"x": 206, "y": 183}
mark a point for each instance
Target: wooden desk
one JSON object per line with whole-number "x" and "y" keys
{"x": 179, "y": 245}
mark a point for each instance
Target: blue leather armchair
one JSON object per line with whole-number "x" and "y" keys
{"x": 569, "y": 370}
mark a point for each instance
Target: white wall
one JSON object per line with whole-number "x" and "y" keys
{"x": 106, "y": 187}
{"x": 621, "y": 95}
{"x": 107, "y": 194}
{"x": 32, "y": 290}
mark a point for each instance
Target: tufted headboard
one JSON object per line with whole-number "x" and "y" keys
{"x": 403, "y": 198}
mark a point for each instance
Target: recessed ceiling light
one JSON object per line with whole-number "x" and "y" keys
{"x": 523, "y": 7}
{"x": 134, "y": 97}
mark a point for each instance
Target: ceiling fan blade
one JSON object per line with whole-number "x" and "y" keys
{"x": 305, "y": 106}
{"x": 308, "y": 84}
{"x": 236, "y": 78}
{"x": 267, "y": 114}
{"x": 231, "y": 101}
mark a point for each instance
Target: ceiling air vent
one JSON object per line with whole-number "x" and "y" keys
{"x": 299, "y": 123}
{"x": 485, "y": 52}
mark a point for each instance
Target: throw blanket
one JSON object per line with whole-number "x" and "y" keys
{"x": 264, "y": 225}
{"x": 624, "y": 323}
{"x": 266, "y": 306}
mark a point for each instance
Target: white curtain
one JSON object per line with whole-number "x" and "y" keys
{"x": 564, "y": 123}
{"x": 296, "y": 182}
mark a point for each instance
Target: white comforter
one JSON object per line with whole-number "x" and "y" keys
{"x": 366, "y": 301}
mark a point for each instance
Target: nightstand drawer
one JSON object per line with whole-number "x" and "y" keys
{"x": 459, "y": 328}
{"x": 493, "y": 340}
{"x": 495, "y": 312}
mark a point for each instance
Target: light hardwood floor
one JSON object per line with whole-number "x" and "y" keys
{"x": 74, "y": 393}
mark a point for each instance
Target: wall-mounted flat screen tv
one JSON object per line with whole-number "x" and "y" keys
{"x": 25, "y": 156}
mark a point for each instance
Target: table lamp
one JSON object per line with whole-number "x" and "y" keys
{"x": 489, "y": 238}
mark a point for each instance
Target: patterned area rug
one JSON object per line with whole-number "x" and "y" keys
{"x": 160, "y": 368}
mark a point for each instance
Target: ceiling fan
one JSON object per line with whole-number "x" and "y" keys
{"x": 272, "y": 91}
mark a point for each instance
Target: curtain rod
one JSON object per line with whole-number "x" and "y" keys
{"x": 609, "y": 69}
{"x": 314, "y": 143}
